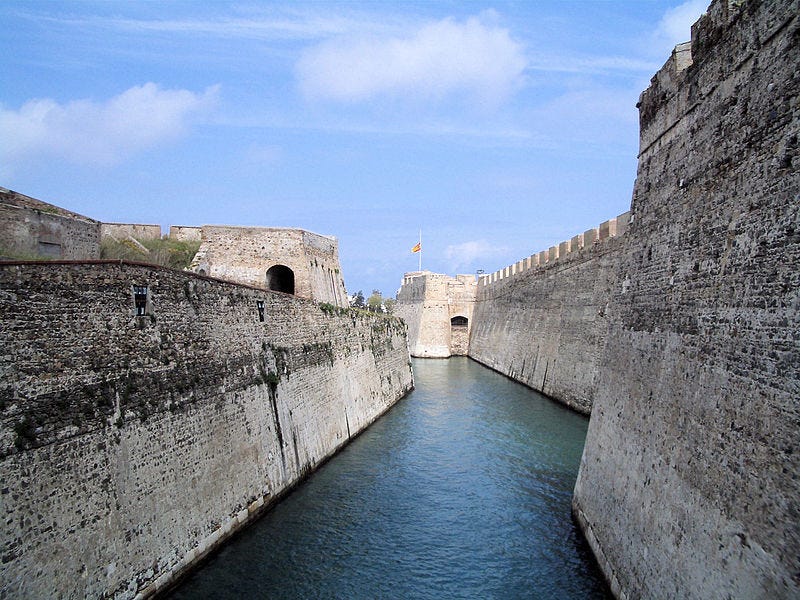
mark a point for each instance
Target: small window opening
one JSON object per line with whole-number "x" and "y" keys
{"x": 459, "y": 321}
{"x": 260, "y": 305}
{"x": 50, "y": 249}
{"x": 140, "y": 299}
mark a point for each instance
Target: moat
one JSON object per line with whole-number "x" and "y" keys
{"x": 462, "y": 490}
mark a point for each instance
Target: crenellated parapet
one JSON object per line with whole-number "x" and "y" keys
{"x": 574, "y": 248}
{"x": 543, "y": 320}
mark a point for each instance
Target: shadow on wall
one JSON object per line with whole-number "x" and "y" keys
{"x": 280, "y": 278}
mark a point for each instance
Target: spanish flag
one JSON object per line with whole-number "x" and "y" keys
{"x": 417, "y": 248}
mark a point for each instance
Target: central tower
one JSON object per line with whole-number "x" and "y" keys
{"x": 438, "y": 310}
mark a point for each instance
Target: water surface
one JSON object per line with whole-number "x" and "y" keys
{"x": 462, "y": 490}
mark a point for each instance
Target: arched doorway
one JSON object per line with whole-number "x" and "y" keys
{"x": 459, "y": 335}
{"x": 280, "y": 278}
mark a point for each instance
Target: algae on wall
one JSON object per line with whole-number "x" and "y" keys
{"x": 133, "y": 444}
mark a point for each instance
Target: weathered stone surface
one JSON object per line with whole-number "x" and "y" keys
{"x": 133, "y": 445}
{"x": 545, "y": 326}
{"x": 245, "y": 254}
{"x": 688, "y": 487}
{"x": 185, "y": 233}
{"x": 435, "y": 307}
{"x": 121, "y": 231}
{"x": 30, "y": 228}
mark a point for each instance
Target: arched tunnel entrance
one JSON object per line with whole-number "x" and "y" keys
{"x": 280, "y": 278}
{"x": 459, "y": 335}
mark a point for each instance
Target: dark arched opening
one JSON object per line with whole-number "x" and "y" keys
{"x": 459, "y": 335}
{"x": 281, "y": 279}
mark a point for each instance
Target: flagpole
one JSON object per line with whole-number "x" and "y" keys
{"x": 420, "y": 249}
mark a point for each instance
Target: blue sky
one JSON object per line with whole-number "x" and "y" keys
{"x": 499, "y": 129}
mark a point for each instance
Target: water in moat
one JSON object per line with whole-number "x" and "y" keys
{"x": 462, "y": 490}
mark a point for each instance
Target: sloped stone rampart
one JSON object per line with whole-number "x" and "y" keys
{"x": 688, "y": 486}
{"x": 133, "y": 445}
{"x": 545, "y": 326}
{"x": 139, "y": 231}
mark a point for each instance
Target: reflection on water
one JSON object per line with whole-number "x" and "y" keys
{"x": 462, "y": 490}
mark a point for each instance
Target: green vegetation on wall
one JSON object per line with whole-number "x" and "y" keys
{"x": 12, "y": 254}
{"x": 163, "y": 251}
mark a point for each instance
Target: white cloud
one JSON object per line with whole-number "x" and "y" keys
{"x": 434, "y": 61}
{"x": 676, "y": 24}
{"x": 253, "y": 22}
{"x": 99, "y": 133}
{"x": 467, "y": 253}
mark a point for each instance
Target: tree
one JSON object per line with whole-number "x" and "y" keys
{"x": 375, "y": 301}
{"x": 357, "y": 301}
{"x": 389, "y": 304}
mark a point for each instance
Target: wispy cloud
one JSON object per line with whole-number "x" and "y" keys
{"x": 594, "y": 65}
{"x": 99, "y": 133}
{"x": 475, "y": 56}
{"x": 248, "y": 28}
{"x": 589, "y": 104}
{"x": 676, "y": 24}
{"x": 467, "y": 254}
{"x": 276, "y": 23}
{"x": 488, "y": 132}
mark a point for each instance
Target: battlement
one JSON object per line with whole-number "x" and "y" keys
{"x": 566, "y": 250}
{"x": 289, "y": 260}
{"x": 438, "y": 311}
{"x": 682, "y": 83}
{"x": 426, "y": 285}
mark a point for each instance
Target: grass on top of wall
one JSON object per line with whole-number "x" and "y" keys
{"x": 161, "y": 251}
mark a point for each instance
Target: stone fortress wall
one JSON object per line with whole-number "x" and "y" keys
{"x": 682, "y": 333}
{"x": 688, "y": 322}
{"x": 542, "y": 320}
{"x": 688, "y": 486}
{"x": 565, "y": 314}
{"x": 247, "y": 254}
{"x": 567, "y": 250}
{"x": 31, "y": 228}
{"x": 121, "y": 231}
{"x": 438, "y": 310}
{"x": 185, "y": 233}
{"x": 147, "y": 414}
